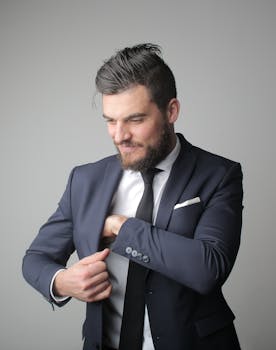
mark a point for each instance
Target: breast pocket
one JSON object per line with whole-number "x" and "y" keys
{"x": 184, "y": 220}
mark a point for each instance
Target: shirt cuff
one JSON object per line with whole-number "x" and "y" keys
{"x": 54, "y": 297}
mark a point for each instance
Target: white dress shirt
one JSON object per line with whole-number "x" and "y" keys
{"x": 125, "y": 202}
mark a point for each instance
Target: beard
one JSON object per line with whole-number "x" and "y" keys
{"x": 154, "y": 154}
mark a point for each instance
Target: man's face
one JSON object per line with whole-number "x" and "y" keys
{"x": 142, "y": 134}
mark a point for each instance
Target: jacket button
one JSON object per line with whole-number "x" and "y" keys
{"x": 146, "y": 259}
{"x": 128, "y": 250}
{"x": 139, "y": 256}
{"x": 134, "y": 253}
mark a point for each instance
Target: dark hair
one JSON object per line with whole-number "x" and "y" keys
{"x": 138, "y": 65}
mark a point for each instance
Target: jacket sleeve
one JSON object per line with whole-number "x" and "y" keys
{"x": 202, "y": 260}
{"x": 52, "y": 247}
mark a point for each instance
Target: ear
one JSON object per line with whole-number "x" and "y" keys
{"x": 173, "y": 110}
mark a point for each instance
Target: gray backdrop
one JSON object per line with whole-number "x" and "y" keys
{"x": 223, "y": 57}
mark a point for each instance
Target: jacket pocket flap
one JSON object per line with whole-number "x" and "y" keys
{"x": 213, "y": 323}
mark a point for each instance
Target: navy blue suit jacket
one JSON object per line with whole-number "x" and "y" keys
{"x": 189, "y": 252}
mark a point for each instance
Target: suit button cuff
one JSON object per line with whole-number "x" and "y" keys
{"x": 145, "y": 259}
{"x": 128, "y": 250}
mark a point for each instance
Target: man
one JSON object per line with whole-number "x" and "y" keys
{"x": 170, "y": 255}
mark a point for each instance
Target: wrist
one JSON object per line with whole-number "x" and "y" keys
{"x": 57, "y": 286}
{"x": 117, "y": 224}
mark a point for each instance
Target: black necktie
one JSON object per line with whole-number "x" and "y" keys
{"x": 131, "y": 337}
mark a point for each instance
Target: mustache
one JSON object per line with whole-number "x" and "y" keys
{"x": 128, "y": 144}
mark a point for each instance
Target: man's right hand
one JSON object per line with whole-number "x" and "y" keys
{"x": 86, "y": 280}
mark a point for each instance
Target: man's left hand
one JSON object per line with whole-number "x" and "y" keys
{"x": 112, "y": 225}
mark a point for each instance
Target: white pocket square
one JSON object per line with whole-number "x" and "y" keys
{"x": 188, "y": 202}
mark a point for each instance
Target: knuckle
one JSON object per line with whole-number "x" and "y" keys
{"x": 99, "y": 266}
{"x": 84, "y": 286}
{"x": 105, "y": 275}
{"x": 84, "y": 275}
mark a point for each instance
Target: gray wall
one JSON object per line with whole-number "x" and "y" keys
{"x": 223, "y": 57}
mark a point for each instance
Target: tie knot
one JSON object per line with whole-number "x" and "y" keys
{"x": 149, "y": 174}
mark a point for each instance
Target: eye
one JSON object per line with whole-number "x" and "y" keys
{"x": 110, "y": 121}
{"x": 137, "y": 119}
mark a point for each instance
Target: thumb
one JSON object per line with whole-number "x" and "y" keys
{"x": 99, "y": 256}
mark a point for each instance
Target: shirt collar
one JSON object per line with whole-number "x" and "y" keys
{"x": 167, "y": 163}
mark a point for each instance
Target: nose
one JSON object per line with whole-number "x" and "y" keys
{"x": 121, "y": 133}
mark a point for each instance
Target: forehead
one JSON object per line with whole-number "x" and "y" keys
{"x": 133, "y": 100}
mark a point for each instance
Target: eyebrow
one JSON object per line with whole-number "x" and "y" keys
{"x": 129, "y": 117}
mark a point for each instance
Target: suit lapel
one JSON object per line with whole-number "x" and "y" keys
{"x": 179, "y": 177}
{"x": 100, "y": 207}
{"x": 112, "y": 176}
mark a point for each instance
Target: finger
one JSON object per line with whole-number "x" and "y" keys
{"x": 96, "y": 268}
{"x": 85, "y": 273}
{"x": 93, "y": 291}
{"x": 99, "y": 256}
{"x": 103, "y": 292}
{"x": 95, "y": 281}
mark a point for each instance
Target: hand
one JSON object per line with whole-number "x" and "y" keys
{"x": 112, "y": 225}
{"x": 86, "y": 280}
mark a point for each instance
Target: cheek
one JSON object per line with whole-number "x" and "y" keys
{"x": 147, "y": 133}
{"x": 111, "y": 131}
{"x": 153, "y": 134}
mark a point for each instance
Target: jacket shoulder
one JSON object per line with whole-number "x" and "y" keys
{"x": 213, "y": 159}
{"x": 97, "y": 166}
{"x": 205, "y": 158}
